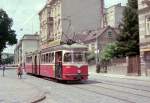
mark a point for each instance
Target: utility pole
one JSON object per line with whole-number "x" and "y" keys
{"x": 102, "y": 18}
{"x": 102, "y": 25}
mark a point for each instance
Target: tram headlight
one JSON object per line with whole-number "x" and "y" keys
{"x": 79, "y": 71}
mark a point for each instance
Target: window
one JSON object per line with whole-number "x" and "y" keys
{"x": 42, "y": 58}
{"x": 51, "y": 57}
{"x": 47, "y": 57}
{"x": 148, "y": 25}
{"x": 67, "y": 57}
{"x": 28, "y": 59}
{"x": 93, "y": 47}
{"x": 109, "y": 33}
{"x": 78, "y": 57}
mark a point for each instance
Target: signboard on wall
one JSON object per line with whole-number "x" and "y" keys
{"x": 50, "y": 44}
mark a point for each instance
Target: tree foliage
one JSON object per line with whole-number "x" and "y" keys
{"x": 8, "y": 60}
{"x": 7, "y": 35}
{"x": 91, "y": 56}
{"x": 108, "y": 52}
{"x": 128, "y": 40}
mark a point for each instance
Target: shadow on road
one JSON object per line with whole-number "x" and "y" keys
{"x": 67, "y": 82}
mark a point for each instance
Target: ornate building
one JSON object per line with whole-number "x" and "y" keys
{"x": 65, "y": 17}
{"x": 144, "y": 29}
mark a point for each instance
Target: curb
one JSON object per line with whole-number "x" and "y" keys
{"x": 138, "y": 78}
{"x": 39, "y": 99}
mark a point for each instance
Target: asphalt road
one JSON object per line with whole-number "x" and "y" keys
{"x": 98, "y": 89}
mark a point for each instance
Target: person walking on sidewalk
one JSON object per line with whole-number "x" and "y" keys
{"x": 4, "y": 70}
{"x": 19, "y": 71}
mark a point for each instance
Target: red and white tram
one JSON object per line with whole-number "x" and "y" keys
{"x": 64, "y": 62}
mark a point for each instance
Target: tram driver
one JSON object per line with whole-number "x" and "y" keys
{"x": 59, "y": 64}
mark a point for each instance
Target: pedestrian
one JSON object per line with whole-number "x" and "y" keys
{"x": 19, "y": 71}
{"x": 4, "y": 70}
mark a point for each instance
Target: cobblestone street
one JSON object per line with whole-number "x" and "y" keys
{"x": 100, "y": 88}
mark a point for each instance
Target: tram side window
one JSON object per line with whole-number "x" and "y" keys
{"x": 46, "y": 58}
{"x": 67, "y": 57}
{"x": 28, "y": 59}
{"x": 51, "y": 57}
{"x": 42, "y": 59}
{"x": 78, "y": 57}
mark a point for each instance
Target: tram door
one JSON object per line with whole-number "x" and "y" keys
{"x": 58, "y": 64}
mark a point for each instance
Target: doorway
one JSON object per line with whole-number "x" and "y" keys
{"x": 58, "y": 65}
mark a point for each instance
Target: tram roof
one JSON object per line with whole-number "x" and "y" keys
{"x": 76, "y": 47}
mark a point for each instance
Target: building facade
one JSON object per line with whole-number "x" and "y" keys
{"x": 96, "y": 38}
{"x": 99, "y": 39}
{"x": 144, "y": 31}
{"x": 114, "y": 15}
{"x": 28, "y": 43}
{"x": 64, "y": 17}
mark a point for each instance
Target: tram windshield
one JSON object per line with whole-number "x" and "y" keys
{"x": 78, "y": 57}
{"x": 74, "y": 57}
{"x": 68, "y": 57}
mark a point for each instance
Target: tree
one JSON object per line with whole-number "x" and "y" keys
{"x": 8, "y": 60}
{"x": 90, "y": 56}
{"x": 105, "y": 56}
{"x": 109, "y": 52}
{"x": 7, "y": 35}
{"x": 128, "y": 40}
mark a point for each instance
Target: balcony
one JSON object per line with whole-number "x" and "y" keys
{"x": 147, "y": 2}
{"x": 50, "y": 20}
{"x": 50, "y": 37}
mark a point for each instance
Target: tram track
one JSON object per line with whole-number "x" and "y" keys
{"x": 125, "y": 85}
{"x": 110, "y": 89}
{"x": 98, "y": 93}
{"x": 123, "y": 90}
{"x": 103, "y": 88}
{"x": 116, "y": 94}
{"x": 91, "y": 91}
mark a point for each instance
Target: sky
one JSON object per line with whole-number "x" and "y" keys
{"x": 25, "y": 15}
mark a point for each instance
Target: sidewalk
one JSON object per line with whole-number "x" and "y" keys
{"x": 92, "y": 71}
{"x": 18, "y": 91}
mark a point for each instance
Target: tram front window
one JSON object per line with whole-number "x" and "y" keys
{"x": 67, "y": 57}
{"x": 78, "y": 57}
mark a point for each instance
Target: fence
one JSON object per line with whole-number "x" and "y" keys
{"x": 123, "y": 66}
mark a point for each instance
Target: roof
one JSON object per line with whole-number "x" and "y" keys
{"x": 87, "y": 36}
{"x": 95, "y": 34}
